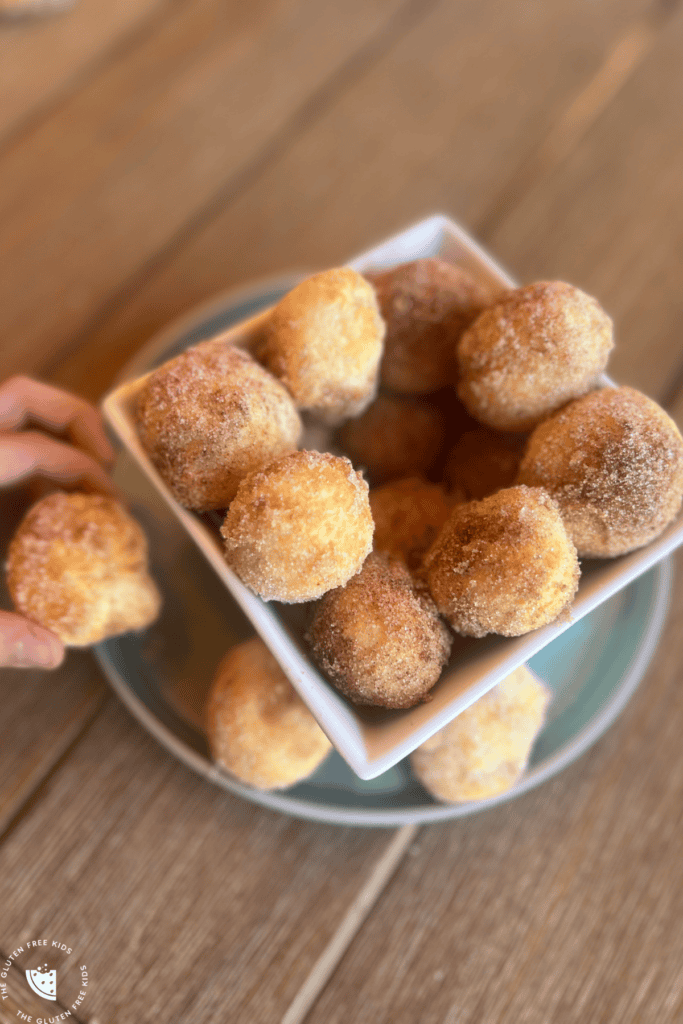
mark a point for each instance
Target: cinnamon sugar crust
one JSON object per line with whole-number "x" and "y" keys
{"x": 613, "y": 461}
{"x": 485, "y": 750}
{"x": 482, "y": 461}
{"x": 395, "y": 437}
{"x": 530, "y": 353}
{"x": 299, "y": 527}
{"x": 258, "y": 727}
{"x": 379, "y": 638}
{"x": 409, "y": 515}
{"x": 211, "y": 416}
{"x": 426, "y": 304}
{"x": 503, "y": 565}
{"x": 78, "y": 566}
{"x": 324, "y": 341}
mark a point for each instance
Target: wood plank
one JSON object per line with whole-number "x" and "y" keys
{"x": 42, "y": 713}
{"x": 564, "y": 905}
{"x": 182, "y": 900}
{"x": 608, "y": 219}
{"x": 43, "y": 59}
{"x": 437, "y": 123}
{"x": 122, "y": 166}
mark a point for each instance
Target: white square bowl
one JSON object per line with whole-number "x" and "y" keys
{"x": 372, "y": 740}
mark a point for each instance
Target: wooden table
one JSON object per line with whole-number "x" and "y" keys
{"x": 154, "y": 152}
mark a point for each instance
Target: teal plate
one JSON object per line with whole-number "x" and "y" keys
{"x": 163, "y": 675}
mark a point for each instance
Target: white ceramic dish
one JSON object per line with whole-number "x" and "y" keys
{"x": 370, "y": 742}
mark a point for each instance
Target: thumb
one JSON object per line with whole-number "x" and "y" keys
{"x": 23, "y": 644}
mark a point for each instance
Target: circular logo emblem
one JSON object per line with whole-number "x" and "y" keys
{"x": 48, "y": 972}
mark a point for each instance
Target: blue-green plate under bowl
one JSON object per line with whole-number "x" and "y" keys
{"x": 163, "y": 675}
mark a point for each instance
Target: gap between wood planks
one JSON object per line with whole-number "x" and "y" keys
{"x": 620, "y": 63}
{"x": 309, "y": 113}
{"x": 117, "y": 49}
{"x": 27, "y": 797}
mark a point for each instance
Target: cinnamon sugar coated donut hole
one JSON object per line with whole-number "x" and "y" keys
{"x": 482, "y": 461}
{"x": 379, "y": 639}
{"x": 77, "y": 565}
{"x": 532, "y": 351}
{"x": 395, "y": 437}
{"x": 426, "y": 304}
{"x": 485, "y": 750}
{"x": 409, "y": 515}
{"x": 503, "y": 565}
{"x": 613, "y": 461}
{"x": 209, "y": 417}
{"x": 324, "y": 341}
{"x": 258, "y": 727}
{"x": 299, "y": 527}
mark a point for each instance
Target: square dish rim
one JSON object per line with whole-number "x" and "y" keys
{"x": 371, "y": 748}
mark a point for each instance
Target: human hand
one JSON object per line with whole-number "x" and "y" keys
{"x": 76, "y": 455}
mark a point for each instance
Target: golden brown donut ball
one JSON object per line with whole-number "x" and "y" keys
{"x": 532, "y": 351}
{"x": 503, "y": 565}
{"x": 299, "y": 527}
{"x": 613, "y": 462}
{"x": 485, "y": 750}
{"x": 427, "y": 304}
{"x": 324, "y": 341}
{"x": 259, "y": 728}
{"x": 78, "y": 566}
{"x": 395, "y": 437}
{"x": 209, "y": 417}
{"x": 482, "y": 461}
{"x": 409, "y": 515}
{"x": 379, "y": 638}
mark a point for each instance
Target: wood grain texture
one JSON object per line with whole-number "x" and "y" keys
{"x": 122, "y": 166}
{"x": 564, "y": 905}
{"x": 183, "y": 900}
{"x": 233, "y": 141}
{"x": 435, "y": 124}
{"x": 44, "y": 59}
{"x": 42, "y": 714}
{"x": 608, "y": 219}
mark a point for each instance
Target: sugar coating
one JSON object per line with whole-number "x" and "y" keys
{"x": 482, "y": 461}
{"x": 209, "y": 417}
{"x": 395, "y": 437}
{"x": 379, "y": 638}
{"x": 426, "y": 304}
{"x": 613, "y": 461}
{"x": 258, "y": 727}
{"x": 532, "y": 351}
{"x": 503, "y": 565}
{"x": 409, "y": 515}
{"x": 324, "y": 341}
{"x": 299, "y": 527}
{"x": 78, "y": 566}
{"x": 485, "y": 750}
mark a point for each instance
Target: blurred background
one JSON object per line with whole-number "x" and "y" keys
{"x": 153, "y": 152}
